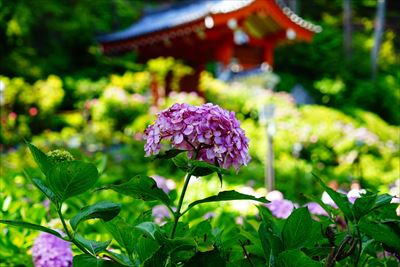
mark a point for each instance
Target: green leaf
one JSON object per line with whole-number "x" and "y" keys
{"x": 120, "y": 258}
{"x": 31, "y": 226}
{"x": 85, "y": 260}
{"x": 92, "y": 246}
{"x": 271, "y": 243}
{"x": 340, "y": 200}
{"x": 125, "y": 234}
{"x": 202, "y": 168}
{"x": 146, "y": 247}
{"x": 169, "y": 249}
{"x": 203, "y": 236}
{"x": 71, "y": 178}
{"x": 180, "y": 244}
{"x": 227, "y": 196}
{"x": 297, "y": 228}
{"x": 381, "y": 233}
{"x": 269, "y": 219}
{"x": 149, "y": 228}
{"x": 102, "y": 164}
{"x": 181, "y": 161}
{"x": 42, "y": 187}
{"x": 321, "y": 252}
{"x": 169, "y": 154}
{"x": 105, "y": 210}
{"x": 315, "y": 235}
{"x": 159, "y": 258}
{"x": 206, "y": 259}
{"x": 363, "y": 205}
{"x": 40, "y": 158}
{"x": 45, "y": 190}
{"x": 383, "y": 200}
{"x": 141, "y": 187}
{"x": 296, "y": 258}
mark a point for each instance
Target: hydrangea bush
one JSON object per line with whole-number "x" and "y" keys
{"x": 202, "y": 140}
{"x": 49, "y": 250}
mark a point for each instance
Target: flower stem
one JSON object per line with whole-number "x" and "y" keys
{"x": 72, "y": 239}
{"x": 358, "y": 255}
{"x": 178, "y": 214}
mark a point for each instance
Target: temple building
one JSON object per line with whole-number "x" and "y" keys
{"x": 239, "y": 35}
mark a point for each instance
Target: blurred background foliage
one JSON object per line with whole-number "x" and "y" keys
{"x": 58, "y": 90}
{"x": 43, "y": 38}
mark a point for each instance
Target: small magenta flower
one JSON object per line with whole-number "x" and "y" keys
{"x": 49, "y": 250}
{"x": 208, "y": 129}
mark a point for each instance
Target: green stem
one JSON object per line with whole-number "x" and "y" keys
{"x": 71, "y": 237}
{"x": 178, "y": 214}
{"x": 246, "y": 253}
{"x": 358, "y": 255}
{"x": 333, "y": 257}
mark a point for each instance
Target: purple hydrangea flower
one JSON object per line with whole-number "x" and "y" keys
{"x": 316, "y": 209}
{"x": 49, "y": 250}
{"x": 160, "y": 214}
{"x": 281, "y": 208}
{"x": 208, "y": 128}
{"x": 274, "y": 195}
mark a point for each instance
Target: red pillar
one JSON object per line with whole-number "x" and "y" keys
{"x": 269, "y": 53}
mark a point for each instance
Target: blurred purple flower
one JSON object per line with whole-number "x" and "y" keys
{"x": 215, "y": 132}
{"x": 160, "y": 213}
{"x": 209, "y": 215}
{"x": 46, "y": 203}
{"x": 274, "y": 195}
{"x": 316, "y": 209}
{"x": 353, "y": 194}
{"x": 49, "y": 250}
{"x": 326, "y": 199}
{"x": 281, "y": 208}
{"x": 239, "y": 220}
{"x": 165, "y": 184}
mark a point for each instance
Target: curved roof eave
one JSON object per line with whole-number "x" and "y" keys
{"x": 191, "y": 11}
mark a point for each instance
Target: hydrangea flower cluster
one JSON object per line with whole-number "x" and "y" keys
{"x": 281, "y": 208}
{"x": 59, "y": 155}
{"x": 212, "y": 131}
{"x": 49, "y": 250}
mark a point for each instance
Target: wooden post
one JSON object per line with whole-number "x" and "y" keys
{"x": 347, "y": 25}
{"x": 154, "y": 89}
{"x": 270, "y": 178}
{"x": 378, "y": 33}
{"x": 266, "y": 119}
{"x": 269, "y": 53}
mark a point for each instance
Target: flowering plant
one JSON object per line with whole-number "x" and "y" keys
{"x": 208, "y": 132}
{"x": 204, "y": 140}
